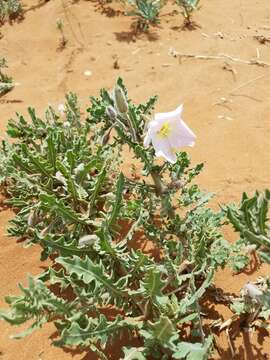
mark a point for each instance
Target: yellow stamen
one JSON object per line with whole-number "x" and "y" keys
{"x": 165, "y": 130}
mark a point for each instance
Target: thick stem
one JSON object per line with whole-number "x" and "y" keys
{"x": 159, "y": 186}
{"x": 161, "y": 189}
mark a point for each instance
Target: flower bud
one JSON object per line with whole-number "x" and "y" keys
{"x": 110, "y": 111}
{"x": 249, "y": 249}
{"x": 106, "y": 137}
{"x": 45, "y": 231}
{"x": 120, "y": 99}
{"x": 79, "y": 169}
{"x": 66, "y": 124}
{"x": 252, "y": 291}
{"x": 60, "y": 178}
{"x": 87, "y": 240}
{"x": 32, "y": 219}
{"x": 61, "y": 109}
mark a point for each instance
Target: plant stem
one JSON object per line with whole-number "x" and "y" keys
{"x": 159, "y": 186}
{"x": 192, "y": 283}
{"x": 131, "y": 128}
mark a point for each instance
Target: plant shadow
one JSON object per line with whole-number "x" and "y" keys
{"x": 105, "y": 9}
{"x": 112, "y": 351}
{"x": 239, "y": 345}
{"x": 133, "y": 35}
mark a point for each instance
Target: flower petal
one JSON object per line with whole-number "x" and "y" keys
{"x": 148, "y": 138}
{"x": 153, "y": 128}
{"x": 171, "y": 115}
{"x": 182, "y": 135}
{"x": 162, "y": 148}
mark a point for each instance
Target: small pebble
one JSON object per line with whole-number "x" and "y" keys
{"x": 88, "y": 73}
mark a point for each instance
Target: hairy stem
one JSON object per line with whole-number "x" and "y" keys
{"x": 159, "y": 186}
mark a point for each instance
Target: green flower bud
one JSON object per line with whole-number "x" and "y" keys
{"x": 120, "y": 99}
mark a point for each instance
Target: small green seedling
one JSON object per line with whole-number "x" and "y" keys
{"x": 147, "y": 12}
{"x": 187, "y": 8}
{"x": 6, "y": 83}
{"x": 63, "y": 39}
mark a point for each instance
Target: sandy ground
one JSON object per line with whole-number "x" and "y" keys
{"x": 226, "y": 104}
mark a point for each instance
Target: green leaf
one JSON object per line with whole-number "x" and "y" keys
{"x": 70, "y": 182}
{"x": 162, "y": 332}
{"x": 91, "y": 272}
{"x": 195, "y": 351}
{"x": 95, "y": 330}
{"x": 133, "y": 353}
{"x": 63, "y": 246}
{"x": 234, "y": 219}
{"x": 51, "y": 150}
{"x": 262, "y": 216}
{"x": 51, "y": 203}
{"x": 97, "y": 188}
{"x": 117, "y": 201}
{"x": 151, "y": 285}
{"x": 256, "y": 239}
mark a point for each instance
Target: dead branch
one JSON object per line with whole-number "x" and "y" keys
{"x": 181, "y": 56}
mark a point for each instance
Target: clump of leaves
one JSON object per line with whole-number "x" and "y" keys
{"x": 147, "y": 12}
{"x": 187, "y": 9}
{"x": 10, "y": 10}
{"x": 254, "y": 303}
{"x": 65, "y": 178}
{"x": 63, "y": 39}
{"x": 251, "y": 310}
{"x": 250, "y": 219}
{"x": 6, "y": 82}
{"x": 58, "y": 180}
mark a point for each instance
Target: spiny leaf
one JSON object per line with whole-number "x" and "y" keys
{"x": 117, "y": 201}
{"x": 51, "y": 150}
{"x": 195, "y": 351}
{"x": 97, "y": 187}
{"x": 51, "y": 203}
{"x": 262, "y": 216}
{"x": 256, "y": 239}
{"x": 94, "y": 331}
{"x": 133, "y": 353}
{"x": 88, "y": 272}
{"x": 151, "y": 285}
{"x": 64, "y": 247}
{"x": 162, "y": 332}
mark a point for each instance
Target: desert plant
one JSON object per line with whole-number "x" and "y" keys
{"x": 187, "y": 9}
{"x": 10, "y": 10}
{"x": 147, "y": 12}
{"x": 65, "y": 178}
{"x": 6, "y": 82}
{"x": 251, "y": 221}
{"x": 63, "y": 39}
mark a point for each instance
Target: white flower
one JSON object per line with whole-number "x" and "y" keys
{"x": 168, "y": 133}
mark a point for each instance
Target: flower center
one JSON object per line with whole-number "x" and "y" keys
{"x": 165, "y": 130}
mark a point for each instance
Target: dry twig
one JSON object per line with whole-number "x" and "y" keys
{"x": 181, "y": 56}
